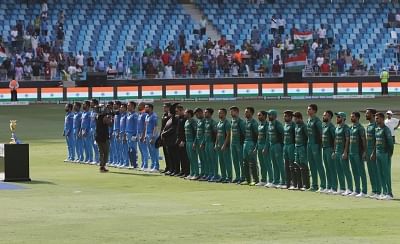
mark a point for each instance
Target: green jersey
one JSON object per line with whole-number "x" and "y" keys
{"x": 371, "y": 135}
{"x": 262, "y": 133}
{"x": 384, "y": 140}
{"x": 210, "y": 129}
{"x": 237, "y": 131}
{"x": 190, "y": 130}
{"x": 275, "y": 132}
{"x": 200, "y": 131}
{"x": 357, "y": 131}
{"x": 301, "y": 135}
{"x": 251, "y": 131}
{"x": 314, "y": 129}
{"x": 223, "y": 127}
{"x": 328, "y": 135}
{"x": 288, "y": 133}
{"x": 341, "y": 133}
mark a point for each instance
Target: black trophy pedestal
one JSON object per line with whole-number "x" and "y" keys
{"x": 14, "y": 162}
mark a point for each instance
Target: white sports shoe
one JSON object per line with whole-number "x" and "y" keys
{"x": 353, "y": 194}
{"x": 374, "y": 196}
{"x": 268, "y": 185}
{"x": 153, "y": 171}
{"x": 347, "y": 192}
{"x": 283, "y": 187}
{"x": 381, "y": 197}
{"x": 260, "y": 183}
{"x": 320, "y": 190}
{"x": 361, "y": 195}
{"x": 292, "y": 188}
{"x": 302, "y": 189}
{"x": 277, "y": 186}
{"x": 328, "y": 191}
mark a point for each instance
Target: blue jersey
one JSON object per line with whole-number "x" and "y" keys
{"x": 77, "y": 121}
{"x": 122, "y": 123}
{"x": 85, "y": 122}
{"x": 117, "y": 118}
{"x": 131, "y": 123}
{"x": 141, "y": 122}
{"x": 68, "y": 123}
{"x": 93, "y": 116}
{"x": 151, "y": 123}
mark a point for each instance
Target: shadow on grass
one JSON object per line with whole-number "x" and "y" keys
{"x": 133, "y": 173}
{"x": 37, "y": 182}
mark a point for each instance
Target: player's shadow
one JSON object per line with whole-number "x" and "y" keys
{"x": 136, "y": 174}
{"x": 37, "y": 182}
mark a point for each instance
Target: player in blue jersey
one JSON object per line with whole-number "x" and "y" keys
{"x": 115, "y": 145}
{"x": 124, "y": 160}
{"x": 68, "y": 132}
{"x": 131, "y": 134}
{"x": 77, "y": 132}
{"x": 93, "y": 114}
{"x": 151, "y": 135}
{"x": 85, "y": 132}
{"x": 144, "y": 152}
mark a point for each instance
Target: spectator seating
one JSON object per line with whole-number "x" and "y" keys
{"x": 356, "y": 26}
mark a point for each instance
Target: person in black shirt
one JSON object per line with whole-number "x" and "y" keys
{"x": 103, "y": 122}
{"x": 181, "y": 142}
{"x": 164, "y": 119}
{"x": 168, "y": 138}
{"x": 90, "y": 63}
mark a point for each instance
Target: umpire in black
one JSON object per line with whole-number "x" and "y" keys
{"x": 183, "y": 161}
{"x": 103, "y": 122}
{"x": 164, "y": 119}
{"x": 168, "y": 138}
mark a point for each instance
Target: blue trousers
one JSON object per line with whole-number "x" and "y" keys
{"x": 124, "y": 153}
{"x": 70, "y": 146}
{"x": 78, "y": 146}
{"x": 94, "y": 146}
{"x": 87, "y": 146}
{"x": 116, "y": 148}
{"x": 132, "y": 149}
{"x": 153, "y": 151}
{"x": 111, "y": 154}
{"x": 144, "y": 152}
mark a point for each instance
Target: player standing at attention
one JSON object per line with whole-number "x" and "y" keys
{"x": 371, "y": 163}
{"x": 275, "y": 133}
{"x": 328, "y": 141}
{"x": 341, "y": 155}
{"x": 237, "y": 137}
{"x": 288, "y": 146}
{"x": 301, "y": 178}
{"x": 131, "y": 134}
{"x": 151, "y": 135}
{"x": 314, "y": 128}
{"x": 198, "y": 144}
{"x": 124, "y": 162}
{"x": 357, "y": 155}
{"x": 93, "y": 114}
{"x": 210, "y": 132}
{"x": 77, "y": 119}
{"x": 222, "y": 146}
{"x": 144, "y": 152}
{"x": 190, "y": 135}
{"x": 250, "y": 169}
{"x": 68, "y": 132}
{"x": 85, "y": 133}
{"x": 383, "y": 152}
{"x": 262, "y": 149}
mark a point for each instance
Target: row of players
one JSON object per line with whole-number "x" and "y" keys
{"x": 203, "y": 149}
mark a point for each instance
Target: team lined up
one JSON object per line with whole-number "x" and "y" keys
{"x": 263, "y": 153}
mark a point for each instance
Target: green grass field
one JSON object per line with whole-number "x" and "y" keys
{"x": 70, "y": 203}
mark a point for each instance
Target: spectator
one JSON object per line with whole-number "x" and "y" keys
{"x": 237, "y": 57}
{"x": 14, "y": 85}
{"x": 321, "y": 33}
{"x": 36, "y": 70}
{"x": 36, "y": 25}
{"x": 341, "y": 62}
{"x": 35, "y": 44}
{"x": 255, "y": 35}
{"x": 14, "y": 36}
{"x": 168, "y": 71}
{"x": 45, "y": 56}
{"x": 186, "y": 58}
{"x": 79, "y": 59}
{"x": 281, "y": 25}
{"x": 148, "y": 51}
{"x": 61, "y": 18}
{"x": 53, "y": 68}
{"x": 90, "y": 63}
{"x": 325, "y": 68}
{"x": 44, "y": 9}
{"x": 165, "y": 58}
{"x": 274, "y": 25}
{"x": 276, "y": 68}
{"x": 222, "y": 41}
{"x": 101, "y": 66}
{"x": 320, "y": 60}
{"x": 120, "y": 67}
{"x": 203, "y": 27}
{"x": 110, "y": 70}
{"x": 19, "y": 70}
{"x": 182, "y": 41}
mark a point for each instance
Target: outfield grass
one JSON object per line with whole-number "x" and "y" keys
{"x": 69, "y": 203}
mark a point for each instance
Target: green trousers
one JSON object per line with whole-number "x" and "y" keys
{"x": 384, "y": 164}
{"x": 225, "y": 163}
{"x": 211, "y": 158}
{"x": 288, "y": 152}
{"x": 250, "y": 170}
{"x": 343, "y": 172}
{"x": 316, "y": 167}
{"x": 203, "y": 161}
{"x": 192, "y": 155}
{"x": 237, "y": 159}
{"x": 330, "y": 167}
{"x": 275, "y": 152}
{"x": 373, "y": 173}
{"x": 265, "y": 165}
{"x": 358, "y": 169}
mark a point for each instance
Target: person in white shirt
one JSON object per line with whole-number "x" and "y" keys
{"x": 14, "y": 35}
{"x": 322, "y": 33}
{"x": 274, "y": 25}
{"x": 80, "y": 59}
{"x": 203, "y": 26}
{"x": 281, "y": 25}
{"x": 320, "y": 61}
{"x": 392, "y": 123}
{"x": 168, "y": 71}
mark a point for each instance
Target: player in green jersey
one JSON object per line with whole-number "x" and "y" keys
{"x": 250, "y": 141}
{"x": 222, "y": 146}
{"x": 237, "y": 139}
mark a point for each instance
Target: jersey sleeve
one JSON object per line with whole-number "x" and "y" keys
{"x": 389, "y": 140}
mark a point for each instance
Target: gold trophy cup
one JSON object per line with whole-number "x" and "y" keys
{"x": 13, "y": 127}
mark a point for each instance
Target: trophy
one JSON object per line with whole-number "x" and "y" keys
{"x": 13, "y": 127}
